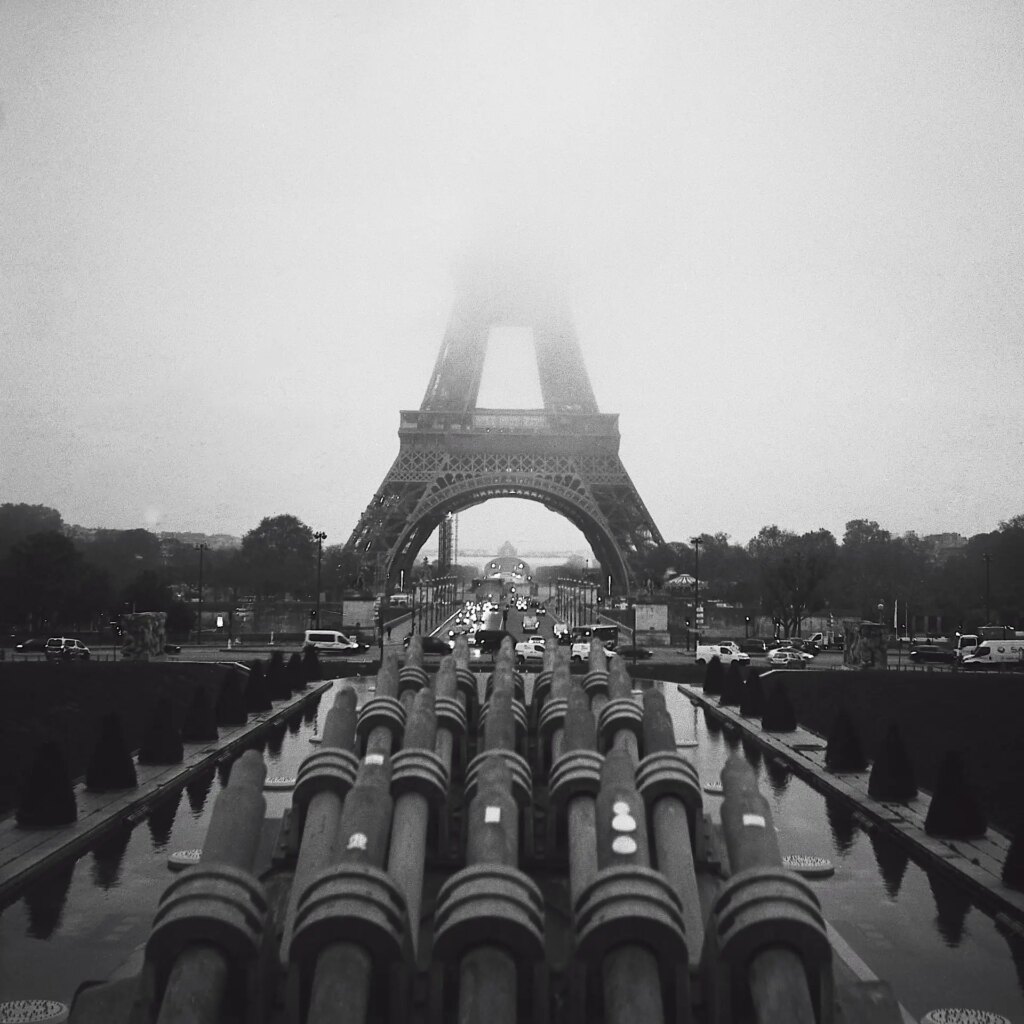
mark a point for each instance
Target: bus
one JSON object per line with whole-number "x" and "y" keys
{"x": 607, "y": 634}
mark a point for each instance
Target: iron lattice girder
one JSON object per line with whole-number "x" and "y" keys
{"x": 427, "y": 480}
{"x": 453, "y": 455}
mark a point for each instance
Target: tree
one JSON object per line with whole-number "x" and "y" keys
{"x": 124, "y": 553}
{"x": 49, "y": 583}
{"x": 20, "y": 521}
{"x": 792, "y": 572}
{"x": 280, "y": 557}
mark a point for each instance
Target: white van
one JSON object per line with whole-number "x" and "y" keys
{"x": 998, "y": 653}
{"x": 725, "y": 652}
{"x": 330, "y": 641}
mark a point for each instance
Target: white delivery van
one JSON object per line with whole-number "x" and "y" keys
{"x": 726, "y": 652}
{"x": 997, "y": 653}
{"x": 330, "y": 641}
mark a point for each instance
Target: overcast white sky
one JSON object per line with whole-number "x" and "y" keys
{"x": 795, "y": 233}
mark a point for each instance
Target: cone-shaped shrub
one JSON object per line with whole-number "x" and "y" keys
{"x": 47, "y": 796}
{"x": 231, "y": 702}
{"x": 844, "y": 753}
{"x": 200, "y": 725}
{"x": 296, "y": 678}
{"x": 752, "y": 704}
{"x": 892, "y": 774}
{"x": 257, "y": 695}
{"x": 162, "y": 741}
{"x": 111, "y": 765}
{"x": 277, "y": 680}
{"x": 1013, "y": 866}
{"x": 311, "y": 666}
{"x": 732, "y": 686}
{"x": 714, "y": 676}
{"x": 954, "y": 810}
{"x": 779, "y": 715}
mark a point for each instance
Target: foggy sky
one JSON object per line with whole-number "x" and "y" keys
{"x": 794, "y": 235}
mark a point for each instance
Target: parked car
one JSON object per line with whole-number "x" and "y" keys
{"x": 933, "y": 653}
{"x": 798, "y": 643}
{"x": 432, "y": 644}
{"x": 529, "y": 652}
{"x": 64, "y": 648}
{"x": 753, "y": 646}
{"x": 34, "y": 646}
{"x": 787, "y": 657}
{"x": 172, "y": 648}
{"x": 629, "y": 651}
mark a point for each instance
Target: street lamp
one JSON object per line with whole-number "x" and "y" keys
{"x": 199, "y": 633}
{"x": 696, "y": 542}
{"x": 746, "y": 626}
{"x": 319, "y": 537}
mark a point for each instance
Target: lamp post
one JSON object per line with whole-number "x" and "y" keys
{"x": 319, "y": 537}
{"x": 746, "y": 627}
{"x": 988, "y": 559}
{"x": 199, "y": 632}
{"x": 696, "y": 542}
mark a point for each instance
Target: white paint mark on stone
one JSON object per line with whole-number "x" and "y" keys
{"x": 624, "y": 845}
{"x": 621, "y": 807}
{"x": 357, "y": 841}
{"x": 373, "y": 759}
{"x": 624, "y": 823}
{"x": 754, "y": 821}
{"x": 492, "y": 815}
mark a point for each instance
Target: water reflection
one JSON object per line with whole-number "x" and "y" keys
{"x": 224, "y": 770}
{"x": 275, "y": 739}
{"x": 161, "y": 820}
{"x": 892, "y": 860}
{"x": 952, "y": 905}
{"x": 732, "y": 736}
{"x": 778, "y": 775}
{"x": 108, "y": 855}
{"x": 752, "y": 752}
{"x": 45, "y": 901}
{"x": 295, "y": 723}
{"x": 843, "y": 824}
{"x": 198, "y": 789}
{"x": 1015, "y": 943}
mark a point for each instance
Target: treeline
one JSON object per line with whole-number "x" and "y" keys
{"x": 790, "y": 576}
{"x": 55, "y": 576}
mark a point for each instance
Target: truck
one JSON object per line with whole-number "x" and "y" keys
{"x": 726, "y": 651}
{"x": 996, "y": 653}
{"x": 966, "y": 643}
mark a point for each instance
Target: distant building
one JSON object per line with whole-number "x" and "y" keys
{"x": 507, "y": 566}
{"x": 946, "y": 544}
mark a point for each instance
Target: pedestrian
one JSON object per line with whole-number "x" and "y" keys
{"x": 389, "y": 630}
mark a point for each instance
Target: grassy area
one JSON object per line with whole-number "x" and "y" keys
{"x": 65, "y": 702}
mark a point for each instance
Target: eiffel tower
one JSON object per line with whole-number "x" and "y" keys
{"x": 453, "y": 455}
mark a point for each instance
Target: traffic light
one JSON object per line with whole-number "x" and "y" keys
{"x": 312, "y": 615}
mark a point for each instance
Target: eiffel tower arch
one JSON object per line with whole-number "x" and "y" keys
{"x": 453, "y": 455}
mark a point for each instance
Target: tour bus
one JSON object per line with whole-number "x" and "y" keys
{"x": 607, "y": 634}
